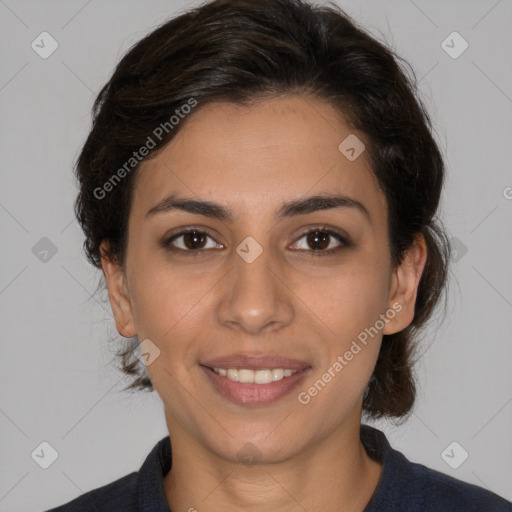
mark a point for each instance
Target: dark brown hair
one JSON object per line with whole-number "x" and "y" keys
{"x": 243, "y": 50}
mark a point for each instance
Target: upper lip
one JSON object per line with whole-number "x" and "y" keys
{"x": 256, "y": 362}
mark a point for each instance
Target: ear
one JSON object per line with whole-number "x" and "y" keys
{"x": 404, "y": 286}
{"x": 118, "y": 293}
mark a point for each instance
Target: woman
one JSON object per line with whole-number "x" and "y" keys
{"x": 260, "y": 189}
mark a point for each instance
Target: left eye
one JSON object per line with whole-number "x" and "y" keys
{"x": 194, "y": 240}
{"x": 320, "y": 241}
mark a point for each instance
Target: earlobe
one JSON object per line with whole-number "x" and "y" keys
{"x": 404, "y": 286}
{"x": 118, "y": 294}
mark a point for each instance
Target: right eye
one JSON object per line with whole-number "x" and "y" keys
{"x": 191, "y": 240}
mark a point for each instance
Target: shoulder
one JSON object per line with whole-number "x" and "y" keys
{"x": 119, "y": 495}
{"x": 412, "y": 487}
{"x": 125, "y": 494}
{"x": 442, "y": 492}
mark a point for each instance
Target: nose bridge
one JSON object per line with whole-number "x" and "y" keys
{"x": 256, "y": 297}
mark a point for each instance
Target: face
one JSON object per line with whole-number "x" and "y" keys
{"x": 270, "y": 280}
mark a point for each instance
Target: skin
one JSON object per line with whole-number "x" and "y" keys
{"x": 288, "y": 302}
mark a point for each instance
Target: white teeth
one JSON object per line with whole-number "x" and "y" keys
{"x": 262, "y": 376}
{"x": 277, "y": 374}
{"x": 254, "y": 377}
{"x": 233, "y": 375}
{"x": 246, "y": 376}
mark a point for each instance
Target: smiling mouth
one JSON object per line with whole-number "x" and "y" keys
{"x": 258, "y": 387}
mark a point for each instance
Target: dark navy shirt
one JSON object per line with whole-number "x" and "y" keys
{"x": 403, "y": 486}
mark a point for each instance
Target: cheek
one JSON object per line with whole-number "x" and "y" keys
{"x": 170, "y": 308}
{"x": 162, "y": 299}
{"x": 351, "y": 300}
{"x": 349, "y": 307}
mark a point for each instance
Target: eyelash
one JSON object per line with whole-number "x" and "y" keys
{"x": 345, "y": 242}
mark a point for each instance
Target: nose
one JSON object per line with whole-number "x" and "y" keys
{"x": 255, "y": 297}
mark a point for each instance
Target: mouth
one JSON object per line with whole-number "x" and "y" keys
{"x": 255, "y": 380}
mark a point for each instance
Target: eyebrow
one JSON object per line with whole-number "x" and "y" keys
{"x": 290, "y": 209}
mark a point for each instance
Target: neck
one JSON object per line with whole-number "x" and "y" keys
{"x": 335, "y": 474}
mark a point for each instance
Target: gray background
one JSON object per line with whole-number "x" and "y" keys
{"x": 59, "y": 385}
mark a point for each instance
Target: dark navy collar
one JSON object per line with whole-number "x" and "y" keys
{"x": 393, "y": 464}
{"x": 150, "y": 483}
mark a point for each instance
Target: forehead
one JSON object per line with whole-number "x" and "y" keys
{"x": 264, "y": 154}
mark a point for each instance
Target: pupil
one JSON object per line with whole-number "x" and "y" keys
{"x": 315, "y": 237}
{"x": 195, "y": 239}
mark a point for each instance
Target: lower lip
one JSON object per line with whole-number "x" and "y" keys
{"x": 254, "y": 394}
